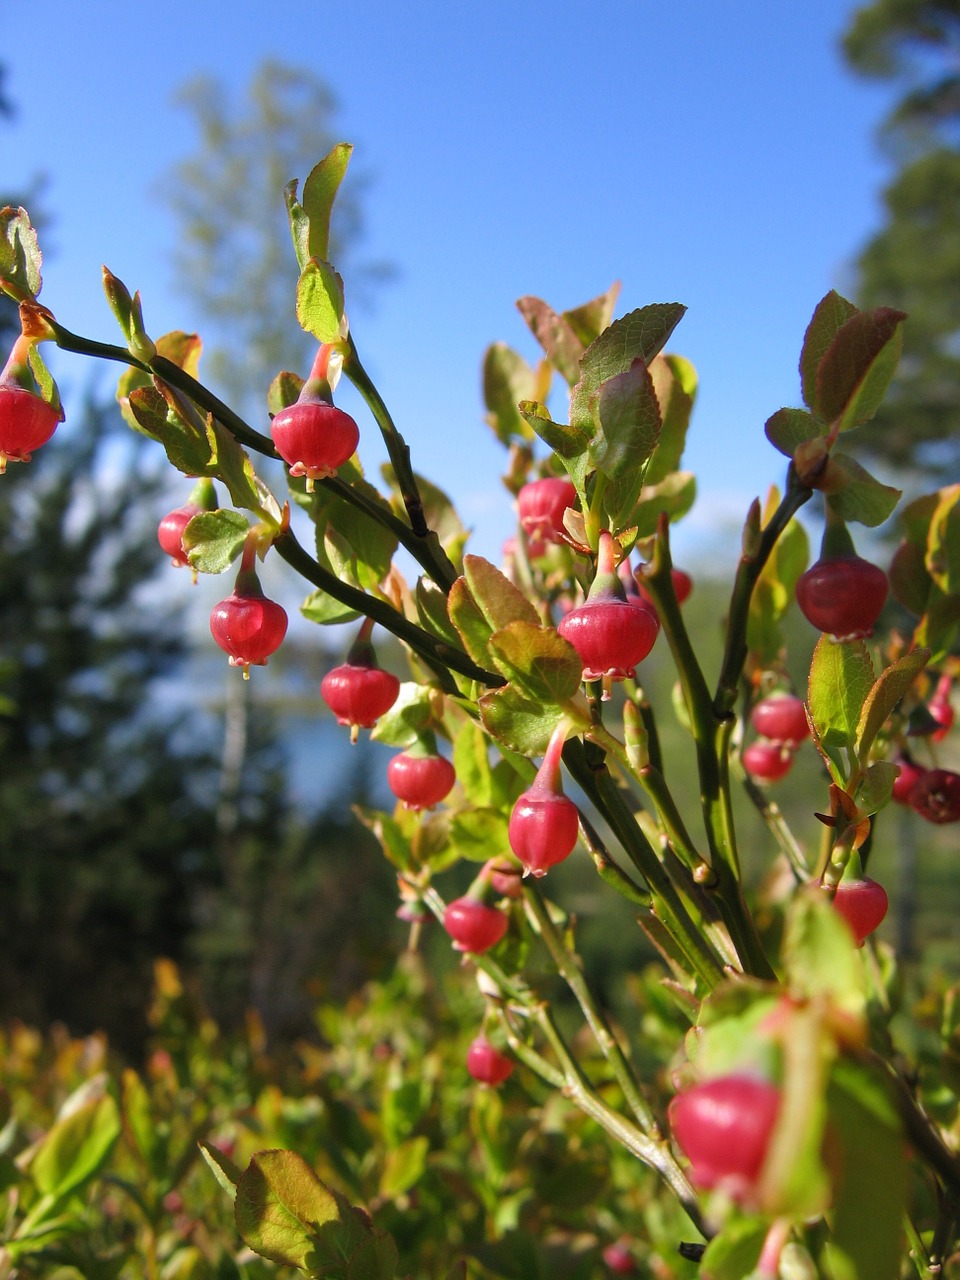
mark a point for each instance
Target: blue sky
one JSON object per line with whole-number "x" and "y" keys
{"x": 718, "y": 154}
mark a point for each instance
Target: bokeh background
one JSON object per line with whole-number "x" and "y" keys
{"x": 734, "y": 157}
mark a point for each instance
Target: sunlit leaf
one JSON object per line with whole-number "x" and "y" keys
{"x": 858, "y": 365}
{"x": 831, "y": 314}
{"x": 639, "y": 335}
{"x": 555, "y": 335}
{"x": 280, "y": 1206}
{"x": 855, "y": 495}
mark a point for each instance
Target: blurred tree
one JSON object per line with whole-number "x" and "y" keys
{"x": 105, "y": 820}
{"x": 234, "y": 258}
{"x": 914, "y": 261}
{"x": 290, "y": 910}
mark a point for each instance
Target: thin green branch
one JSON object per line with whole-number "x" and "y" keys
{"x": 569, "y": 969}
{"x": 418, "y": 546}
{"x": 751, "y": 565}
{"x": 432, "y": 555}
{"x": 611, "y": 872}
{"x": 606, "y": 797}
{"x": 442, "y": 658}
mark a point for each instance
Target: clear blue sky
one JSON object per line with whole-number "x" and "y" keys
{"x": 714, "y": 152}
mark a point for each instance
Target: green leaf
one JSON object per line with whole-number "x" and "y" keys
{"x": 673, "y": 496}
{"x": 139, "y": 1120}
{"x": 498, "y": 599}
{"x": 830, "y": 316}
{"x": 639, "y": 335}
{"x": 20, "y": 257}
{"x": 214, "y": 539}
{"x": 521, "y": 723}
{"x": 407, "y": 718}
{"x": 326, "y": 611}
{"x": 538, "y": 661}
{"x": 876, "y": 786}
{"x": 943, "y": 541}
{"x": 627, "y": 414}
{"x": 76, "y": 1147}
{"x": 568, "y": 442}
{"x": 183, "y": 439}
{"x": 479, "y": 834}
{"x": 230, "y": 462}
{"x": 364, "y": 540}
{"x": 887, "y": 690}
{"x": 439, "y": 512}
{"x": 841, "y": 677}
{"x": 774, "y": 590}
{"x": 388, "y": 831}
{"x": 735, "y": 1251}
{"x": 870, "y": 1194}
{"x": 319, "y": 193}
{"x": 818, "y": 955}
{"x": 794, "y": 1181}
{"x": 938, "y": 628}
{"x": 471, "y": 760}
{"x": 788, "y": 428}
{"x": 555, "y": 335}
{"x": 320, "y": 300}
{"x": 404, "y": 1167}
{"x": 280, "y": 1206}
{"x": 284, "y": 391}
{"x": 471, "y": 625}
{"x": 432, "y": 610}
{"x": 728, "y": 1038}
{"x": 222, "y": 1168}
{"x": 854, "y": 494}
{"x": 675, "y": 384}
{"x": 507, "y": 379}
{"x": 858, "y": 365}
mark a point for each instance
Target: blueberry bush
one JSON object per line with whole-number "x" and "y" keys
{"x": 784, "y": 1101}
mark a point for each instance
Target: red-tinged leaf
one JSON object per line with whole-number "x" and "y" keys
{"x": 830, "y": 316}
{"x": 858, "y": 365}
{"x": 555, "y": 335}
{"x": 589, "y": 320}
{"x": 182, "y": 349}
{"x": 909, "y": 581}
{"x": 887, "y": 690}
{"x": 675, "y": 385}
